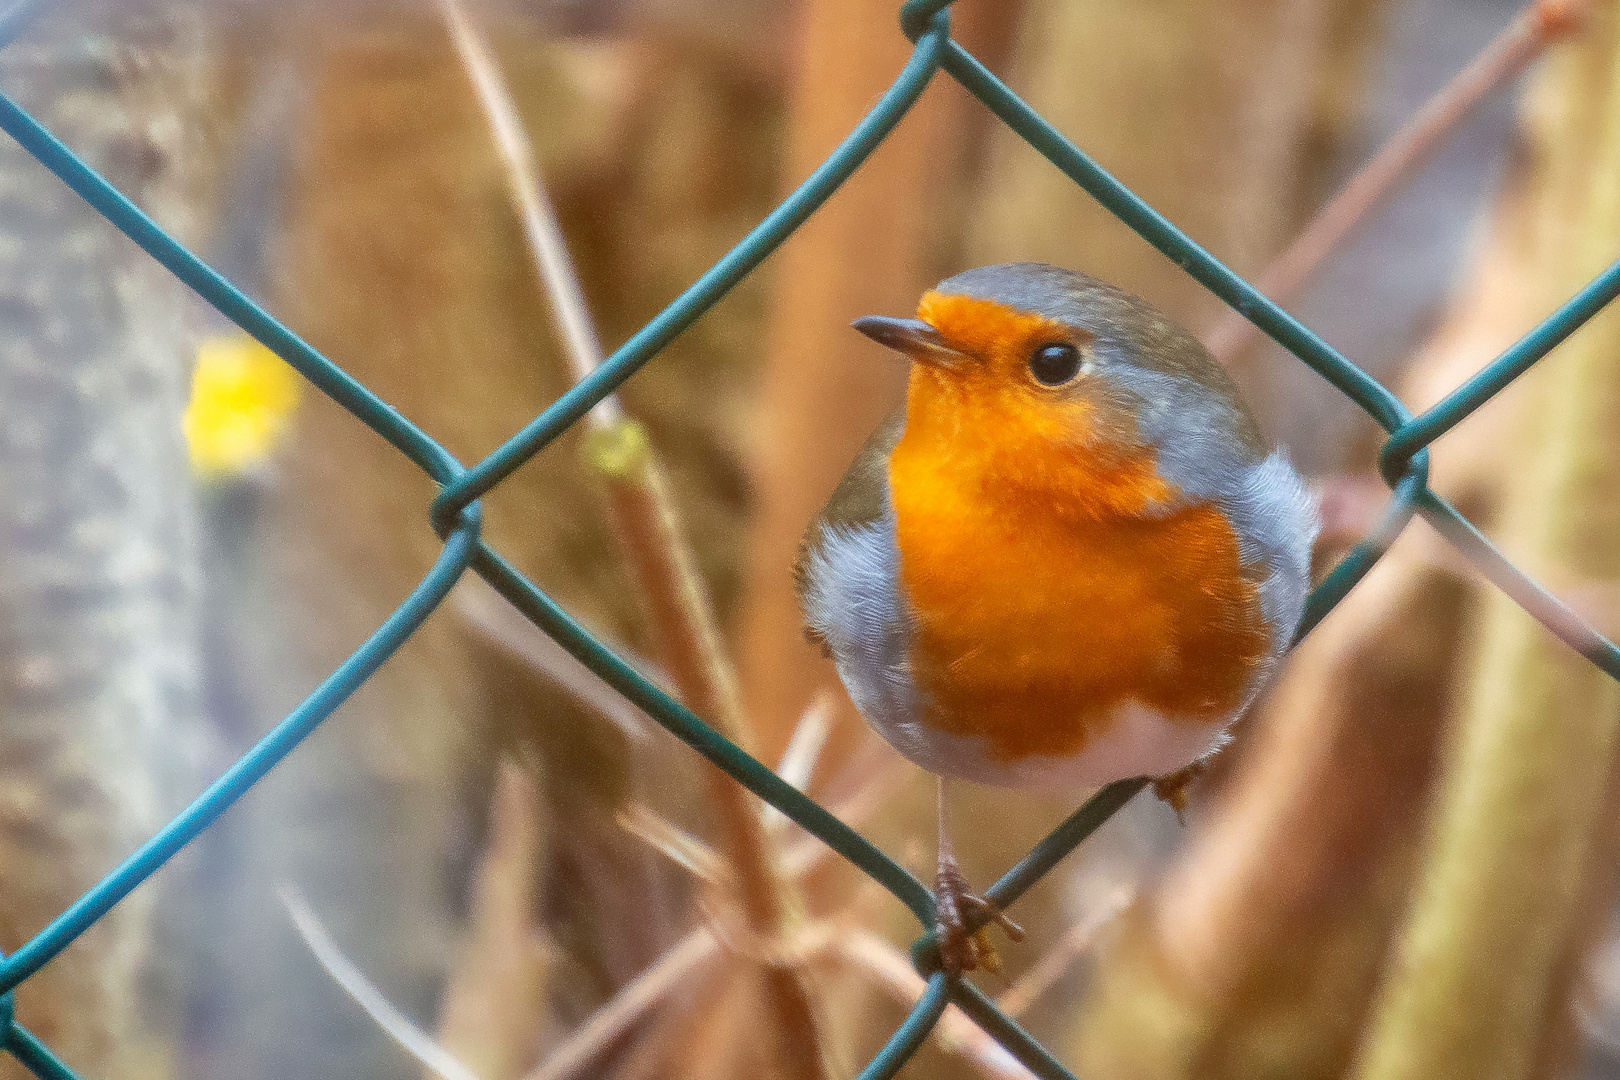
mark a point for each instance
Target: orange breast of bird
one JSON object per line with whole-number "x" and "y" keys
{"x": 1048, "y": 584}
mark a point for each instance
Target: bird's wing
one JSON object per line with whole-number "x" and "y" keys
{"x": 861, "y": 497}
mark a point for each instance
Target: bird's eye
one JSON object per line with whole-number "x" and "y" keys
{"x": 1055, "y": 364}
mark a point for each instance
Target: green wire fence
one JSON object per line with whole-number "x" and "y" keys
{"x": 454, "y": 515}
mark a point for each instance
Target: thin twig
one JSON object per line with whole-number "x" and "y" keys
{"x": 633, "y": 1001}
{"x": 501, "y": 625}
{"x": 803, "y": 750}
{"x": 1057, "y": 960}
{"x": 675, "y": 844}
{"x": 808, "y": 852}
{"x": 1537, "y": 600}
{"x": 798, "y": 762}
{"x": 644, "y": 518}
{"x": 539, "y": 220}
{"x": 870, "y": 954}
{"x": 1508, "y": 54}
{"x": 412, "y": 1039}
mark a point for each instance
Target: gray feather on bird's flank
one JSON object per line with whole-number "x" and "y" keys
{"x": 1274, "y": 515}
{"x": 852, "y": 600}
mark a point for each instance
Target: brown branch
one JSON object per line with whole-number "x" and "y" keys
{"x": 644, "y": 519}
{"x": 1508, "y": 54}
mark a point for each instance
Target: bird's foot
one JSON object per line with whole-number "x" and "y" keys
{"x": 1173, "y": 787}
{"x": 962, "y": 949}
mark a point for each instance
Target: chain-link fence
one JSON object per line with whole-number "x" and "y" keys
{"x": 455, "y": 516}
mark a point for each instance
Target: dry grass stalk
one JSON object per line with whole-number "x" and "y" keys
{"x": 838, "y": 941}
{"x": 1059, "y": 960}
{"x": 1508, "y": 55}
{"x": 1482, "y": 962}
{"x": 620, "y": 907}
{"x": 565, "y": 1061}
{"x": 436, "y": 320}
{"x": 493, "y": 1016}
{"x": 803, "y": 751}
{"x": 645, "y": 995}
{"x": 628, "y": 1007}
{"x": 412, "y": 1039}
{"x": 873, "y": 789}
{"x": 841, "y": 940}
{"x": 680, "y": 847}
{"x": 666, "y": 572}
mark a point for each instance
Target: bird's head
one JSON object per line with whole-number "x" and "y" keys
{"x": 1043, "y": 374}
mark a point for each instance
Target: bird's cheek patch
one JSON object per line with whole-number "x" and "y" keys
{"x": 1065, "y": 422}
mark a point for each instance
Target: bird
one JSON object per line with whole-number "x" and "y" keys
{"x": 1069, "y": 558}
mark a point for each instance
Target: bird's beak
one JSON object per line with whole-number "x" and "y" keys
{"x": 913, "y": 337}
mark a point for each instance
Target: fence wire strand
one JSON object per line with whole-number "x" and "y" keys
{"x": 454, "y": 515}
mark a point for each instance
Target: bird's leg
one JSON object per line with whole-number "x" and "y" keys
{"x": 958, "y": 951}
{"x": 962, "y": 949}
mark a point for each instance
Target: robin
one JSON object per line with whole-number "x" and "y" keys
{"x": 1068, "y": 559}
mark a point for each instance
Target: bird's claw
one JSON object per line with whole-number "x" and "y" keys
{"x": 955, "y": 908}
{"x": 1174, "y": 787}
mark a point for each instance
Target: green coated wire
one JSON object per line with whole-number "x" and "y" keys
{"x": 1008, "y": 1032}
{"x": 1403, "y": 462}
{"x": 130, "y": 220}
{"x": 1051, "y": 850}
{"x": 1062, "y": 840}
{"x": 1515, "y": 361}
{"x": 685, "y": 724}
{"x": 911, "y": 1033}
{"x": 1176, "y": 245}
{"x": 26, "y": 1047}
{"x": 1360, "y": 558}
{"x": 252, "y": 766}
{"x": 1542, "y": 605}
{"x": 713, "y": 285}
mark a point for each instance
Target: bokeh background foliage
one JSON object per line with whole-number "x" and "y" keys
{"x": 1400, "y": 868}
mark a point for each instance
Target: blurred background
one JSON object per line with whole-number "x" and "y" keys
{"x": 1402, "y": 867}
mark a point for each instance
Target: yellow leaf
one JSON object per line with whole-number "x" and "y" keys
{"x": 242, "y": 401}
